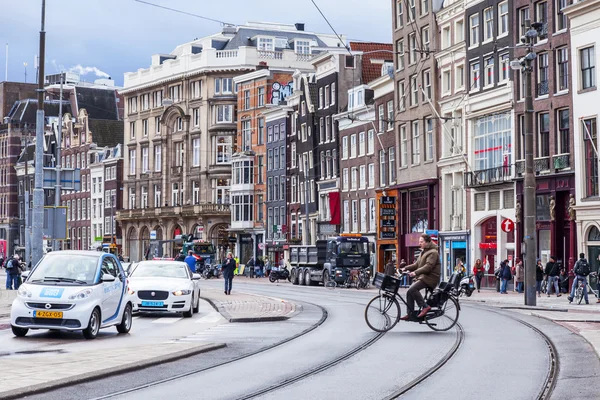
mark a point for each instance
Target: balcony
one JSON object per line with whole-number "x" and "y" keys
{"x": 270, "y": 55}
{"x": 541, "y": 165}
{"x": 491, "y": 176}
{"x": 561, "y": 161}
{"x": 542, "y": 89}
{"x": 166, "y": 212}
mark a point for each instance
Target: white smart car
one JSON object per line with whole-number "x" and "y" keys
{"x": 73, "y": 290}
{"x": 164, "y": 286}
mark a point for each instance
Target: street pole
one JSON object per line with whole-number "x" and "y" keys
{"x": 112, "y": 221}
{"x": 38, "y": 192}
{"x": 306, "y": 201}
{"x": 529, "y": 189}
{"x": 57, "y": 190}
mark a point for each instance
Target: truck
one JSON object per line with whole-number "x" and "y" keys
{"x": 333, "y": 258}
{"x": 202, "y": 250}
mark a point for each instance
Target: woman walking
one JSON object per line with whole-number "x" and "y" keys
{"x": 478, "y": 271}
{"x": 539, "y": 277}
{"x": 228, "y": 269}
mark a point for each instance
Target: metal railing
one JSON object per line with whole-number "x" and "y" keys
{"x": 490, "y": 176}
{"x": 561, "y": 161}
{"x": 542, "y": 88}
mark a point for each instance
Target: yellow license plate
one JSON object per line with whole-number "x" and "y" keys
{"x": 48, "y": 314}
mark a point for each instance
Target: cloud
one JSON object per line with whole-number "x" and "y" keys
{"x": 87, "y": 70}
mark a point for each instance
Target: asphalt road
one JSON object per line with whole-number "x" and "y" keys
{"x": 498, "y": 358}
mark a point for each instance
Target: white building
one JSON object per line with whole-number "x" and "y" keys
{"x": 97, "y": 194}
{"x": 584, "y": 17}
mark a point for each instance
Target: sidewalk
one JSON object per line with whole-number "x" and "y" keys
{"x": 582, "y": 319}
{"x": 68, "y": 369}
{"x": 244, "y": 307}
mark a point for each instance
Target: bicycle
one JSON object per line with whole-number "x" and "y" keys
{"x": 364, "y": 278}
{"x": 581, "y": 283}
{"x": 383, "y": 311}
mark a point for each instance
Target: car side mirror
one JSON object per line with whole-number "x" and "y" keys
{"x": 108, "y": 278}
{"x": 196, "y": 277}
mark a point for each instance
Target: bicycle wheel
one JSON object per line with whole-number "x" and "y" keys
{"x": 579, "y": 294}
{"x": 330, "y": 284}
{"x": 382, "y": 313}
{"x": 443, "y": 318}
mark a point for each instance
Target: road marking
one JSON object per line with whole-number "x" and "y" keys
{"x": 209, "y": 318}
{"x": 166, "y": 320}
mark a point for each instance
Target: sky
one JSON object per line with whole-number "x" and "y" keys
{"x": 102, "y": 38}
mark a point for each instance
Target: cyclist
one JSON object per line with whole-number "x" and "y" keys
{"x": 426, "y": 271}
{"x": 582, "y": 270}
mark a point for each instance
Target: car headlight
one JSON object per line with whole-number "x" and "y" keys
{"x": 24, "y": 291}
{"x": 182, "y": 292}
{"x": 84, "y": 294}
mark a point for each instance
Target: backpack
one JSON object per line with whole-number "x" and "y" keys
{"x": 583, "y": 268}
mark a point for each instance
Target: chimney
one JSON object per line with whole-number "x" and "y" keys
{"x": 299, "y": 26}
{"x": 262, "y": 65}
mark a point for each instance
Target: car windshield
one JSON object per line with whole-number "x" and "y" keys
{"x": 71, "y": 268}
{"x": 158, "y": 270}
{"x": 201, "y": 249}
{"x": 352, "y": 248}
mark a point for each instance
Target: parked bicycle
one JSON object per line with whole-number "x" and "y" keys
{"x": 364, "y": 278}
{"x": 383, "y": 311}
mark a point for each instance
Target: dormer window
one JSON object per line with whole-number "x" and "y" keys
{"x": 302, "y": 47}
{"x": 281, "y": 43}
{"x": 356, "y": 98}
{"x": 266, "y": 44}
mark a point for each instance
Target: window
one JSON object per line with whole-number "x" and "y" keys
{"x": 392, "y": 160}
{"x": 474, "y": 82}
{"x": 196, "y": 89}
{"x": 403, "y": 146}
{"x": 503, "y": 18}
{"x": 132, "y": 161}
{"x": 424, "y": 7}
{"x": 242, "y": 207}
{"x": 371, "y": 141}
{"x": 196, "y": 152}
{"x": 426, "y": 85}
{"x": 334, "y": 163}
{"x": 489, "y": 71}
{"x": 418, "y": 217}
{"x": 446, "y": 82}
{"x": 523, "y": 16}
{"x": 400, "y": 54}
{"x": 266, "y": 44}
{"x": 345, "y": 148}
{"x": 157, "y": 196}
{"x": 157, "y": 98}
{"x": 196, "y": 113}
{"x": 363, "y": 177}
{"x": 381, "y": 118}
{"x": 328, "y": 129}
{"x": 132, "y": 105}
{"x": 543, "y": 139}
{"x": 492, "y": 141}
{"x": 132, "y": 130}
{"x": 195, "y": 192}
{"x": 412, "y": 42}
{"x": 246, "y": 99}
{"x": 401, "y": 96}
{"x": 145, "y": 127}
{"x": 224, "y": 114}
{"x": 562, "y": 141}
{"x": 429, "y": 139}
{"x": 399, "y": 14}
{"x": 354, "y": 178}
{"x": 223, "y": 86}
{"x": 412, "y": 12}
{"x": 352, "y": 146}
{"x": 488, "y": 28}
{"x": 345, "y": 179}
{"x": 587, "y": 64}
{"x": 246, "y": 135}
{"x": 175, "y": 93}
{"x": 157, "y": 158}
{"x": 589, "y": 132}
{"x": 333, "y": 93}
{"x": 327, "y": 93}
{"x": 562, "y": 73}
{"x": 346, "y": 216}
{"x": 372, "y": 219}
{"x": 416, "y": 148}
{"x": 459, "y": 81}
{"x": 504, "y": 67}
{"x": 145, "y": 197}
{"x": 261, "y": 96}
{"x": 109, "y": 199}
{"x": 157, "y": 125}
{"x": 425, "y": 39}
{"x": 361, "y": 144}
{"x": 223, "y": 149}
{"x": 414, "y": 96}
{"x": 178, "y": 124}
{"x": 382, "y": 169}
{"x": 350, "y": 62}
{"x": 474, "y": 30}
{"x": 145, "y": 161}
{"x": 281, "y": 157}
{"x": 542, "y": 74}
{"x": 561, "y": 18}
{"x": 302, "y": 47}
{"x": 371, "y": 176}
{"x": 541, "y": 15}
{"x": 446, "y": 37}
{"x": 261, "y": 131}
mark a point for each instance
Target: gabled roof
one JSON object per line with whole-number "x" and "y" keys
{"x": 370, "y": 70}
{"x": 244, "y": 36}
{"x": 99, "y": 103}
{"x": 106, "y": 133}
{"x": 24, "y": 111}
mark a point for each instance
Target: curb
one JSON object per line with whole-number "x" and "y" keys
{"x": 505, "y": 306}
{"x": 229, "y": 318}
{"x": 104, "y": 373}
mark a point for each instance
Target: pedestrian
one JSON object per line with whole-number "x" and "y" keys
{"x": 581, "y": 270}
{"x": 539, "y": 276}
{"x": 551, "y": 272}
{"x": 460, "y": 269}
{"x": 250, "y": 267}
{"x": 258, "y": 267}
{"x": 505, "y": 276}
{"x": 401, "y": 266}
{"x": 520, "y": 275}
{"x": 563, "y": 281}
{"x": 13, "y": 271}
{"x": 237, "y": 265}
{"x": 228, "y": 269}
{"x": 390, "y": 268}
{"x": 268, "y": 267}
{"x": 190, "y": 260}
{"x": 478, "y": 271}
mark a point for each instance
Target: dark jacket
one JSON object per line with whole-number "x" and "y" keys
{"x": 228, "y": 267}
{"x": 539, "y": 272}
{"x": 428, "y": 266}
{"x": 13, "y": 267}
{"x": 390, "y": 269}
{"x": 551, "y": 269}
{"x": 506, "y": 274}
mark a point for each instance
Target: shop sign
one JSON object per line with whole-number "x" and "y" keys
{"x": 245, "y": 239}
{"x": 455, "y": 238}
{"x": 387, "y": 217}
{"x": 388, "y": 222}
{"x": 387, "y": 212}
{"x": 387, "y": 235}
{"x": 232, "y": 239}
{"x": 507, "y": 225}
{"x": 388, "y": 200}
{"x": 327, "y": 229}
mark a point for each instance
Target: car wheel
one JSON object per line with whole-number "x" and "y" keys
{"x": 190, "y": 312}
{"x": 125, "y": 324}
{"x": 19, "y": 332}
{"x": 197, "y": 306}
{"x": 93, "y": 325}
